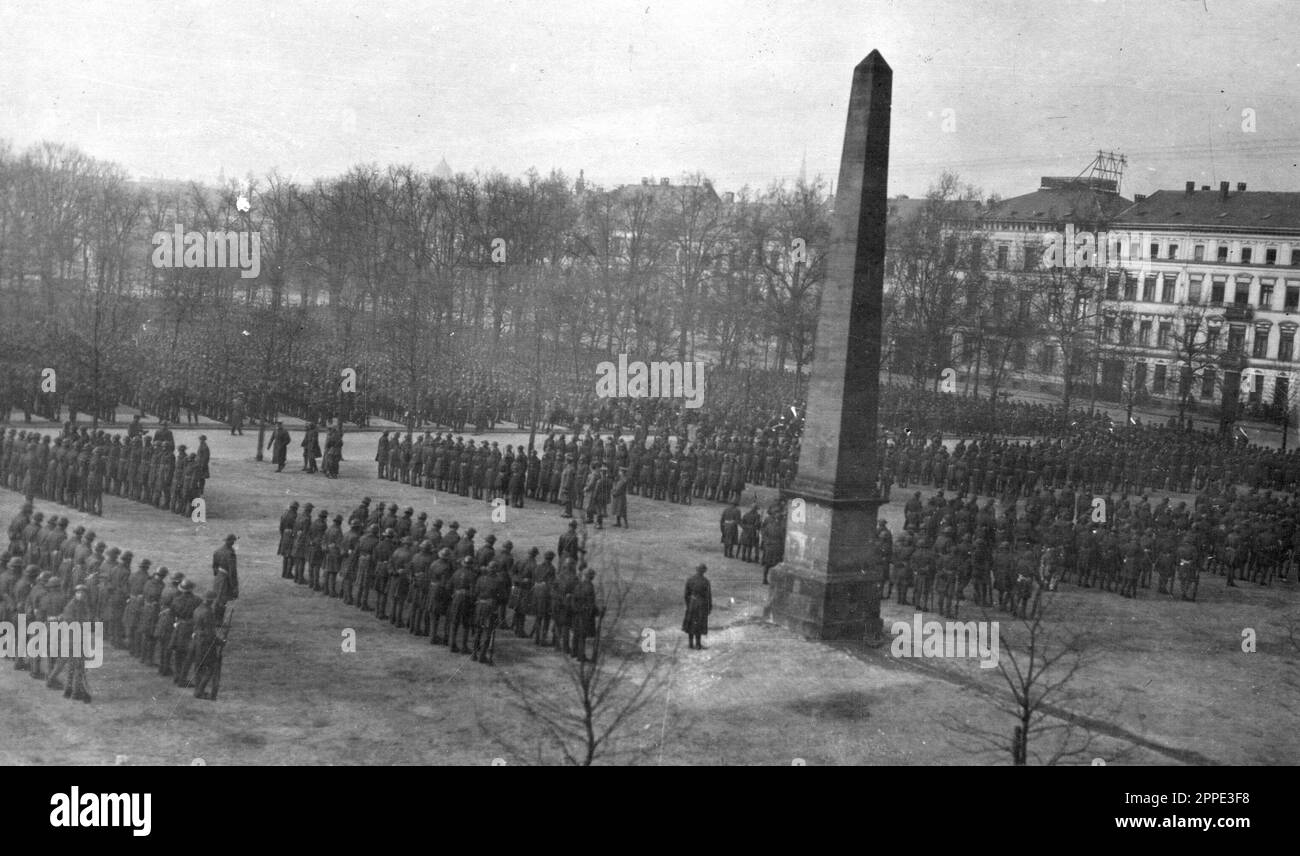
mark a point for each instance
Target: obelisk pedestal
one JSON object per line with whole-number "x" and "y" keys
{"x": 827, "y": 588}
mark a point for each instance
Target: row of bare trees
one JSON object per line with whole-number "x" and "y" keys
{"x": 410, "y": 275}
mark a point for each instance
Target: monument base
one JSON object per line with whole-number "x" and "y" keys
{"x": 816, "y": 606}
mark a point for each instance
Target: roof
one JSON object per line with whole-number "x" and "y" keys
{"x": 1060, "y": 201}
{"x": 667, "y": 192}
{"x": 1253, "y": 210}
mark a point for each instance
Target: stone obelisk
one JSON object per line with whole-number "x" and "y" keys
{"x": 824, "y": 589}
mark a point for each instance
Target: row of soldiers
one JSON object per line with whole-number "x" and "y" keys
{"x": 1013, "y": 556}
{"x": 50, "y": 572}
{"x": 77, "y": 468}
{"x": 573, "y": 472}
{"x": 423, "y": 578}
{"x": 1128, "y": 461}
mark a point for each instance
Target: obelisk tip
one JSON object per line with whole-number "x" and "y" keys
{"x": 874, "y": 60}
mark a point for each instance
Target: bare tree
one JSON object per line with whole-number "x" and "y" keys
{"x": 588, "y": 712}
{"x": 1054, "y": 722}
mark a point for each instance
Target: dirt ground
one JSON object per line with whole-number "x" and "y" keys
{"x": 1168, "y": 681}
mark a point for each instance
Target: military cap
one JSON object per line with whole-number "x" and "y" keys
{"x": 426, "y": 545}
{"x": 438, "y": 522}
{"x": 700, "y": 567}
{"x": 161, "y": 573}
{"x": 32, "y": 570}
{"x": 455, "y": 524}
{"x": 467, "y": 562}
{"x": 389, "y": 533}
{"x": 128, "y": 555}
{"x": 114, "y": 551}
{"x": 177, "y": 577}
{"x": 187, "y": 585}
{"x": 573, "y": 524}
{"x": 373, "y": 529}
{"x": 145, "y": 564}
{"x": 533, "y": 551}
{"x": 38, "y": 516}
{"x": 203, "y": 437}
{"x": 491, "y": 539}
{"x": 293, "y": 504}
{"x": 322, "y": 513}
{"x": 423, "y": 515}
{"x": 338, "y": 518}
{"x": 90, "y": 535}
{"x": 471, "y": 531}
{"x": 80, "y": 530}
{"x": 408, "y": 511}
{"x": 99, "y": 548}
{"x": 79, "y": 587}
{"x": 55, "y": 580}
{"x": 444, "y": 553}
{"x": 365, "y": 501}
{"x": 550, "y": 554}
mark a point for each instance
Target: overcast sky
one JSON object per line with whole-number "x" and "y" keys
{"x": 739, "y": 91}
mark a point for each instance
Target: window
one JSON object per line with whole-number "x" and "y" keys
{"x": 1266, "y": 294}
{"x": 1236, "y": 339}
{"x": 1159, "y": 380}
{"x": 1140, "y": 376}
{"x": 1169, "y": 280}
{"x": 1295, "y": 255}
{"x": 1149, "y": 288}
{"x": 1173, "y": 251}
{"x": 1020, "y": 356}
{"x": 1216, "y": 292}
{"x": 1033, "y": 253}
{"x": 1024, "y": 306}
{"x": 1286, "y": 345}
{"x": 1198, "y": 254}
{"x": 1047, "y": 358}
{"x": 1162, "y": 335}
{"x": 1281, "y": 391}
{"x": 1144, "y": 334}
{"x": 1242, "y": 297}
{"x": 1003, "y": 254}
{"x": 1155, "y": 251}
{"x": 1125, "y": 331}
{"x": 1108, "y": 328}
{"x": 1257, "y": 388}
{"x": 1270, "y": 256}
{"x": 1260, "y": 349}
{"x": 1212, "y": 340}
{"x": 1207, "y": 383}
{"x": 1130, "y": 286}
{"x": 1194, "y": 288}
{"x": 1223, "y": 253}
{"x": 1292, "y": 302}
{"x": 1246, "y": 253}
{"x": 1112, "y": 284}
{"x": 976, "y": 253}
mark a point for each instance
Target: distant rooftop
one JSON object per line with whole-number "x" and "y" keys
{"x": 1060, "y": 199}
{"x": 1254, "y": 210}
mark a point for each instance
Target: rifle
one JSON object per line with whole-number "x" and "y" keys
{"x": 217, "y": 647}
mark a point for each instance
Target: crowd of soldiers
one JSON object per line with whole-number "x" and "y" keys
{"x": 1012, "y": 554}
{"x": 53, "y": 574}
{"x": 77, "y": 467}
{"x": 422, "y": 577}
{"x": 590, "y": 473}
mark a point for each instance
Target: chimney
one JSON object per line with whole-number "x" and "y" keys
{"x": 663, "y": 182}
{"x": 1223, "y": 190}
{"x": 1191, "y": 188}
{"x": 1138, "y": 197}
{"x": 1241, "y": 187}
{"x": 645, "y": 180}
{"x": 729, "y": 197}
{"x": 1205, "y": 187}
